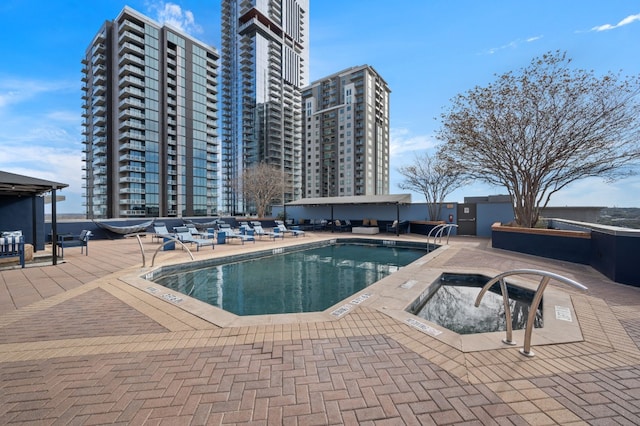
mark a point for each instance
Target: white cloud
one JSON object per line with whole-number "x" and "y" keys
{"x": 14, "y": 91}
{"x": 402, "y": 142}
{"x": 172, "y": 14}
{"x": 626, "y": 21}
{"x": 513, "y": 44}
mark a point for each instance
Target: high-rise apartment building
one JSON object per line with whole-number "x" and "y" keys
{"x": 150, "y": 121}
{"x": 264, "y": 66}
{"x": 346, "y": 134}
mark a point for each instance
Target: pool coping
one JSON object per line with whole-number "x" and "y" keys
{"x": 223, "y": 318}
{"x": 391, "y": 296}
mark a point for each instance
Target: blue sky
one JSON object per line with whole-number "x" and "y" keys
{"x": 427, "y": 51}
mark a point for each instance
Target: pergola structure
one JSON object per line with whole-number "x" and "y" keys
{"x": 390, "y": 199}
{"x": 18, "y": 186}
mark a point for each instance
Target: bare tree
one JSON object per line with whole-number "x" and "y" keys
{"x": 434, "y": 177}
{"x": 544, "y": 127}
{"x": 262, "y": 184}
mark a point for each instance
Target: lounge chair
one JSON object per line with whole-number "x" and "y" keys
{"x": 277, "y": 233}
{"x": 194, "y": 231}
{"x": 283, "y": 229}
{"x": 160, "y": 231}
{"x": 258, "y": 230}
{"x": 232, "y": 234}
{"x": 184, "y": 235}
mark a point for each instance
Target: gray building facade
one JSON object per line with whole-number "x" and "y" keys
{"x": 346, "y": 134}
{"x": 265, "y": 59}
{"x": 150, "y": 115}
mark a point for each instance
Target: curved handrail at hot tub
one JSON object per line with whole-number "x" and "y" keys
{"x": 546, "y": 276}
{"x": 439, "y": 230}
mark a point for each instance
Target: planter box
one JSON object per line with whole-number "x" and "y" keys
{"x": 571, "y": 246}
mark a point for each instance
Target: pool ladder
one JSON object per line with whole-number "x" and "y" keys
{"x": 437, "y": 232}
{"x": 545, "y": 277}
{"x": 169, "y": 240}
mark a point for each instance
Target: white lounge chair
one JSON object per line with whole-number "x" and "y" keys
{"x": 183, "y": 234}
{"x": 232, "y": 234}
{"x": 283, "y": 229}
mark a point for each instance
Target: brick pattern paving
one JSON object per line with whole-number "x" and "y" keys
{"x": 609, "y": 396}
{"x": 93, "y": 350}
{"x": 633, "y": 328}
{"x": 94, "y": 313}
{"x": 357, "y": 380}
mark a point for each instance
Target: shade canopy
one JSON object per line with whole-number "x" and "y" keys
{"x": 356, "y": 199}
{"x": 12, "y": 184}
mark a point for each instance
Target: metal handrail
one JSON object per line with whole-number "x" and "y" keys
{"x": 170, "y": 239}
{"x": 439, "y": 230}
{"x": 535, "y": 302}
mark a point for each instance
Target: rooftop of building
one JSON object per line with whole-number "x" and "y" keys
{"x": 79, "y": 345}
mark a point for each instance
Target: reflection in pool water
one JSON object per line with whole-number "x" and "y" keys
{"x": 452, "y": 306}
{"x": 303, "y": 281}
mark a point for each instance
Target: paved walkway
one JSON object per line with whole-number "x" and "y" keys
{"x": 78, "y": 345}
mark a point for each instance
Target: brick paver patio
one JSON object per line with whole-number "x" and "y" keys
{"x": 78, "y": 345}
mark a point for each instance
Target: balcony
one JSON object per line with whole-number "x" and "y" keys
{"x": 129, "y": 58}
{"x": 132, "y": 191}
{"x": 128, "y": 25}
{"x": 98, "y": 59}
{"x": 132, "y": 124}
{"x": 129, "y": 80}
{"x": 130, "y": 168}
{"x": 126, "y": 102}
{"x": 99, "y": 120}
{"x": 130, "y": 47}
{"x": 132, "y": 157}
{"x": 131, "y": 112}
{"x": 99, "y": 90}
{"x": 129, "y": 36}
{"x": 135, "y": 146}
{"x": 129, "y": 179}
{"x": 130, "y": 69}
{"x": 132, "y": 134}
{"x": 132, "y": 91}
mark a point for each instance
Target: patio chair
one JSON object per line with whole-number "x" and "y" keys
{"x": 401, "y": 227}
{"x": 68, "y": 240}
{"x": 184, "y": 235}
{"x": 342, "y": 226}
{"x": 160, "y": 231}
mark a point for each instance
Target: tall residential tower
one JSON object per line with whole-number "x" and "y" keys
{"x": 346, "y": 134}
{"x": 264, "y": 66}
{"x": 150, "y": 121}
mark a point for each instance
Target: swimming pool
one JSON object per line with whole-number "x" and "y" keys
{"x": 450, "y": 304}
{"x": 308, "y": 280}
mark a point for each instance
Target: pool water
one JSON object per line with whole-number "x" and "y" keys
{"x": 302, "y": 281}
{"x": 452, "y": 306}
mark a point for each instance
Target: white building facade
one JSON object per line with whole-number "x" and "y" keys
{"x": 346, "y": 134}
